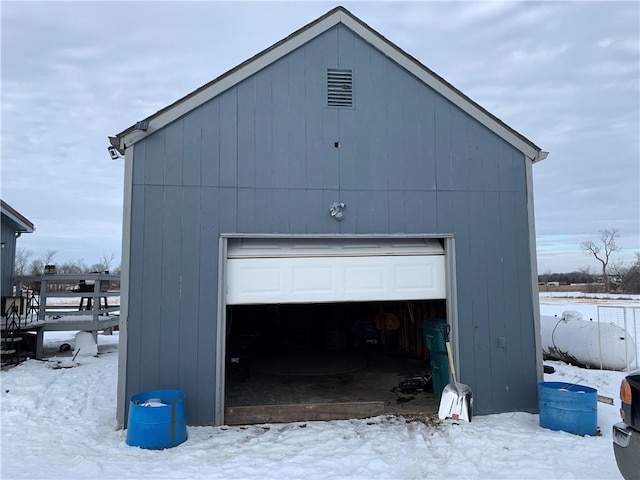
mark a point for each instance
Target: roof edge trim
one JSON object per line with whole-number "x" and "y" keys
{"x": 22, "y": 222}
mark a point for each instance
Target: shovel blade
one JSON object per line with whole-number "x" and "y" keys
{"x": 456, "y": 402}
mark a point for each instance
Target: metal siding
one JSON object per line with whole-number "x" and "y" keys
{"x": 468, "y": 321}
{"x": 476, "y": 308}
{"x": 363, "y": 203}
{"x": 192, "y": 150}
{"x": 174, "y": 147}
{"x": 229, "y": 138}
{"x": 263, "y": 130}
{"x": 168, "y": 296}
{"x": 490, "y": 160}
{"x": 380, "y": 212}
{"x": 444, "y": 149}
{"x": 247, "y": 214}
{"x": 518, "y": 369}
{"x": 427, "y": 163}
{"x": 330, "y": 117}
{"x": 260, "y": 158}
{"x": 139, "y": 166}
{"x": 470, "y": 173}
{"x": 414, "y": 171}
{"x": 298, "y": 210}
{"x": 420, "y": 211}
{"x": 354, "y": 201}
{"x": 271, "y": 208}
{"x": 508, "y": 180}
{"x": 136, "y": 268}
{"x": 362, "y": 160}
{"x": 527, "y": 342}
{"x": 227, "y": 210}
{"x": 497, "y": 300}
{"x": 210, "y": 168}
{"x": 205, "y": 344}
{"x": 317, "y": 206}
{"x": 246, "y": 134}
{"x": 313, "y": 115}
{"x": 154, "y": 159}
{"x": 379, "y": 158}
{"x": 460, "y": 150}
{"x": 351, "y": 171}
{"x": 150, "y": 298}
{"x": 444, "y": 211}
{"x": 8, "y": 256}
{"x": 395, "y": 148}
{"x": 279, "y": 113}
{"x": 296, "y": 126}
{"x": 396, "y": 211}
{"x": 189, "y": 289}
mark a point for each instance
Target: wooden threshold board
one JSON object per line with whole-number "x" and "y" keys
{"x": 301, "y": 412}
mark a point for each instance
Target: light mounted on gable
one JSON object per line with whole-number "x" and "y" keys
{"x": 142, "y": 125}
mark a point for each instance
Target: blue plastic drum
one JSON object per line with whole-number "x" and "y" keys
{"x": 568, "y": 407}
{"x": 157, "y": 419}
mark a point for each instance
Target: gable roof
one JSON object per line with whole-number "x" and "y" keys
{"x": 24, "y": 225}
{"x": 338, "y": 15}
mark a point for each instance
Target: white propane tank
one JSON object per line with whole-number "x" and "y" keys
{"x": 592, "y": 344}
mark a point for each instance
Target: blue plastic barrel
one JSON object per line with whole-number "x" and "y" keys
{"x": 433, "y": 334}
{"x": 568, "y": 407}
{"x": 157, "y": 419}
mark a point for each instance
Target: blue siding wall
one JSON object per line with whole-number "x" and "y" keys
{"x": 260, "y": 158}
{"x": 8, "y": 255}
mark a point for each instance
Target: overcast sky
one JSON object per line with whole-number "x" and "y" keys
{"x": 565, "y": 75}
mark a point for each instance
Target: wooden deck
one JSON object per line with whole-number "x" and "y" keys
{"x": 60, "y": 302}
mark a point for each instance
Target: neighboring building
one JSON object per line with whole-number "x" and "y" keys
{"x": 330, "y": 177}
{"x": 13, "y": 225}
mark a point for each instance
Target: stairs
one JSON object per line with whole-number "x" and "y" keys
{"x": 11, "y": 352}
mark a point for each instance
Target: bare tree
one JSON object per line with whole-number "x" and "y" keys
{"x": 105, "y": 263}
{"x": 22, "y": 260}
{"x": 602, "y": 251}
{"x": 73, "y": 267}
{"x": 627, "y": 276}
{"x": 37, "y": 267}
{"x": 48, "y": 257}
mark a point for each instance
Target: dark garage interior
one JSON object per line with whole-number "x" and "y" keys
{"x": 291, "y": 362}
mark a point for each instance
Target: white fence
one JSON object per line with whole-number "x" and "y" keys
{"x": 629, "y": 319}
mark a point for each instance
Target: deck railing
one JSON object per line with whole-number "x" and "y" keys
{"x": 92, "y": 289}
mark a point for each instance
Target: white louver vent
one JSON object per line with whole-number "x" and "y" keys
{"x": 339, "y": 88}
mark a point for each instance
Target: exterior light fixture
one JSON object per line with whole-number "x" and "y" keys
{"x": 336, "y": 210}
{"x": 113, "y": 153}
{"x": 142, "y": 125}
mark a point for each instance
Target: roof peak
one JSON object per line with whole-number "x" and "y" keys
{"x": 338, "y": 14}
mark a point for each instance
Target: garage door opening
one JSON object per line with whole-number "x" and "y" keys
{"x": 290, "y": 362}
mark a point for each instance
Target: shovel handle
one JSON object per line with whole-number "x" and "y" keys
{"x": 451, "y": 366}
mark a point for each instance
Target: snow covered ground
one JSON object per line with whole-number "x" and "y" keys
{"x": 59, "y": 423}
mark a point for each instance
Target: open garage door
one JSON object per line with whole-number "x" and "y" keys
{"x": 329, "y": 328}
{"x": 307, "y": 270}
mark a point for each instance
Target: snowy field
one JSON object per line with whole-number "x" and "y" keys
{"x": 60, "y": 424}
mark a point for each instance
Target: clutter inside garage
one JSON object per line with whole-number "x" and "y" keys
{"x": 290, "y": 362}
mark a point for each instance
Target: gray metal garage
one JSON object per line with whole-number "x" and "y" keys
{"x": 328, "y": 184}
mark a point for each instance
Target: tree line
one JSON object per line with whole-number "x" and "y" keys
{"x": 26, "y": 264}
{"x": 613, "y": 275}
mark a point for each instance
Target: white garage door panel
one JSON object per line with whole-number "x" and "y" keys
{"x": 312, "y": 279}
{"x": 334, "y": 279}
{"x": 262, "y": 279}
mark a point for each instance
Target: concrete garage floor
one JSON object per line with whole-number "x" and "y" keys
{"x": 328, "y": 377}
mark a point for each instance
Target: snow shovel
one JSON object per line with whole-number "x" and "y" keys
{"x": 457, "y": 398}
